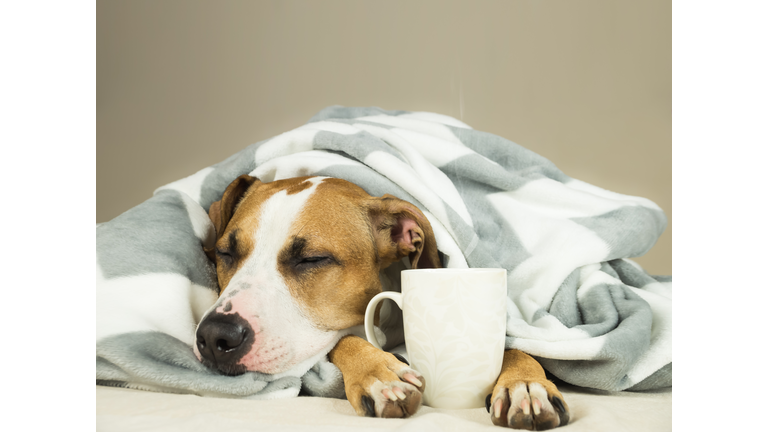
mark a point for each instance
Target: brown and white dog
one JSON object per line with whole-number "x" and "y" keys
{"x": 298, "y": 260}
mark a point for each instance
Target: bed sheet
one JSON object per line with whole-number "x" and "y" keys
{"x": 119, "y": 409}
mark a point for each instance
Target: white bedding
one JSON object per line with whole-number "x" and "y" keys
{"x": 119, "y": 409}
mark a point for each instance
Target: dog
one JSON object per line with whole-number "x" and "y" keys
{"x": 297, "y": 262}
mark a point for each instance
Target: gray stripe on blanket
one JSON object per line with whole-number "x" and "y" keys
{"x": 633, "y": 276}
{"x": 154, "y": 237}
{"x": 157, "y": 359}
{"x": 565, "y": 305}
{"x": 358, "y": 146}
{"x": 500, "y": 246}
{"x": 508, "y": 154}
{"x": 594, "y": 313}
{"x": 623, "y": 345}
{"x": 629, "y": 231}
{"x": 471, "y": 171}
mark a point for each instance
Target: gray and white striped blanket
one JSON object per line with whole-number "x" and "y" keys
{"x": 591, "y": 316}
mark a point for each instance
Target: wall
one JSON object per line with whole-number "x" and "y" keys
{"x": 181, "y": 85}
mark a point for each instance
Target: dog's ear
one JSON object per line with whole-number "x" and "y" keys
{"x": 221, "y": 211}
{"x": 401, "y": 229}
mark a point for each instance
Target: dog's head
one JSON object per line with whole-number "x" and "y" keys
{"x": 298, "y": 261}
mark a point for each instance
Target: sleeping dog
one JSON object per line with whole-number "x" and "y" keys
{"x": 298, "y": 260}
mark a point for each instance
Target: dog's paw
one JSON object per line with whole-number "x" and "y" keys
{"x": 390, "y": 389}
{"x": 531, "y": 405}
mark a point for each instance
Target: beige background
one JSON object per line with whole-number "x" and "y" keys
{"x": 183, "y": 84}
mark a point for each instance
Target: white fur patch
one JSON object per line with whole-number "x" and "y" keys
{"x": 286, "y": 340}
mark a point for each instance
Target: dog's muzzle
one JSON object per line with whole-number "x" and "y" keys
{"x": 223, "y": 340}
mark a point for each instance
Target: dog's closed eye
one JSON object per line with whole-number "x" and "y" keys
{"x": 315, "y": 261}
{"x": 300, "y": 256}
{"x": 227, "y": 253}
{"x": 225, "y": 256}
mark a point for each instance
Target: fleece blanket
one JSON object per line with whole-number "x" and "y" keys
{"x": 590, "y": 315}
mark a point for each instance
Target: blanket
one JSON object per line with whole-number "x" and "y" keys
{"x": 576, "y": 302}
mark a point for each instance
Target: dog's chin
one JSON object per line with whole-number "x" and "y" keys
{"x": 239, "y": 369}
{"x": 229, "y": 370}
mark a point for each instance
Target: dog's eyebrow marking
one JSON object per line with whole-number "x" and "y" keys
{"x": 232, "y": 244}
{"x": 297, "y": 247}
{"x": 294, "y": 257}
{"x": 233, "y": 239}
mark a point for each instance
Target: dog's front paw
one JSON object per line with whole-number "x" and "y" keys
{"x": 388, "y": 389}
{"x": 531, "y": 405}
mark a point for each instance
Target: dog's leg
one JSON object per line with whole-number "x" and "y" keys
{"x": 523, "y": 398}
{"x": 376, "y": 382}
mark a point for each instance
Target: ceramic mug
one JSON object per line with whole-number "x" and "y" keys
{"x": 455, "y": 325}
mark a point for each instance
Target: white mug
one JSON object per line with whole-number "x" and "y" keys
{"x": 455, "y": 325}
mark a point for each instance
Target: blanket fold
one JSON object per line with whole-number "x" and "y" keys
{"x": 590, "y": 315}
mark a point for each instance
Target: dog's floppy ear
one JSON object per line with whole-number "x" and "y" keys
{"x": 221, "y": 211}
{"x": 401, "y": 229}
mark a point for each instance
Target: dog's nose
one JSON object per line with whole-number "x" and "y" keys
{"x": 221, "y": 341}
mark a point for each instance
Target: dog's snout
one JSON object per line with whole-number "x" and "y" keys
{"x": 222, "y": 340}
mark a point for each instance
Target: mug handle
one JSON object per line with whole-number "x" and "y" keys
{"x": 370, "y": 310}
